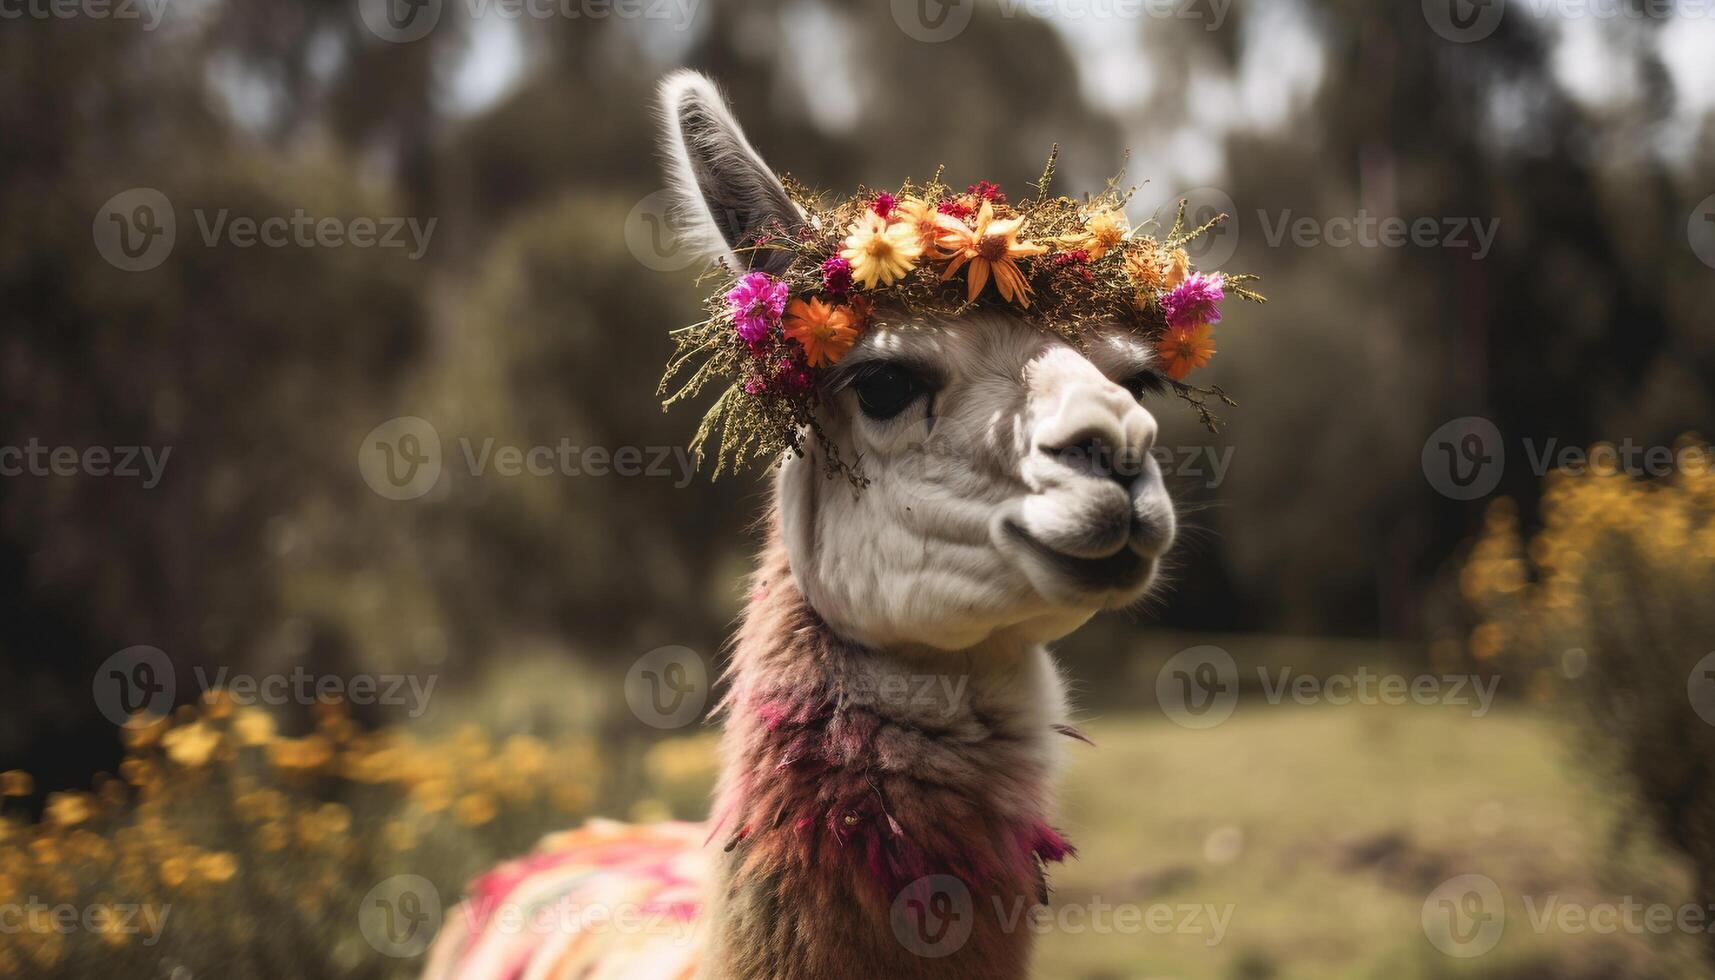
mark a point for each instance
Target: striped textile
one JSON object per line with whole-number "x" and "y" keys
{"x": 607, "y": 901}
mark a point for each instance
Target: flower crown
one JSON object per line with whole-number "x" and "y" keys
{"x": 1067, "y": 265}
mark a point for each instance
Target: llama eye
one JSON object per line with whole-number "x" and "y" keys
{"x": 886, "y": 390}
{"x": 1145, "y": 383}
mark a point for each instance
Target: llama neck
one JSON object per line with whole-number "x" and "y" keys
{"x": 875, "y": 803}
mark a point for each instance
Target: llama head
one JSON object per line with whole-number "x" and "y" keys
{"x": 1012, "y": 492}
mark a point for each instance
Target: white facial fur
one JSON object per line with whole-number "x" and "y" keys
{"x": 985, "y": 515}
{"x": 1012, "y": 501}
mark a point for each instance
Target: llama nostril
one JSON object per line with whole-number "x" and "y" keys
{"x": 1095, "y": 454}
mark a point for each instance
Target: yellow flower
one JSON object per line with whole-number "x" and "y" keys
{"x": 1178, "y": 267}
{"x": 1107, "y": 228}
{"x": 191, "y": 745}
{"x": 825, "y": 330}
{"x": 474, "y": 809}
{"x": 880, "y": 253}
{"x": 16, "y": 782}
{"x": 217, "y": 866}
{"x": 1102, "y": 232}
{"x": 992, "y": 248}
{"x": 253, "y": 727}
{"x": 67, "y": 809}
{"x": 1185, "y": 349}
{"x": 309, "y": 752}
{"x": 175, "y": 871}
{"x": 272, "y": 836}
{"x": 919, "y": 215}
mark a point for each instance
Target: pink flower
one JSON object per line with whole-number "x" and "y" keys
{"x": 757, "y": 303}
{"x": 1194, "y": 301}
{"x": 956, "y": 207}
{"x": 883, "y": 204}
{"x": 837, "y": 276}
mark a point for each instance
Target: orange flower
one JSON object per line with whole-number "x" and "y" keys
{"x": 825, "y": 330}
{"x": 1185, "y": 349}
{"x": 1143, "y": 264}
{"x": 992, "y": 248}
{"x": 1102, "y": 232}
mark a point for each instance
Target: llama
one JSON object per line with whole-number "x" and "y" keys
{"x": 893, "y": 718}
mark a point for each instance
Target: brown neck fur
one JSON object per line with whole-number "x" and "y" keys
{"x": 873, "y": 809}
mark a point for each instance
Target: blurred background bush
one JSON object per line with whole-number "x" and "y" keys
{"x": 539, "y": 312}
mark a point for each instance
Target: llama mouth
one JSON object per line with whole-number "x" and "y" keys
{"x": 1123, "y": 570}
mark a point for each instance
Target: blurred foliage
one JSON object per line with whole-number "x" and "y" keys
{"x": 260, "y": 854}
{"x": 1608, "y": 606}
{"x": 229, "y": 849}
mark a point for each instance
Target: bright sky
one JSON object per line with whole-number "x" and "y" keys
{"x": 1280, "y": 69}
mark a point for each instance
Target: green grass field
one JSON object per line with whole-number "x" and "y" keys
{"x": 1322, "y": 830}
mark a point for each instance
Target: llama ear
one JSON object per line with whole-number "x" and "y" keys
{"x": 724, "y": 194}
{"x": 795, "y": 488}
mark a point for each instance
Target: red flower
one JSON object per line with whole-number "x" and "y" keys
{"x": 957, "y": 207}
{"x": 837, "y": 276}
